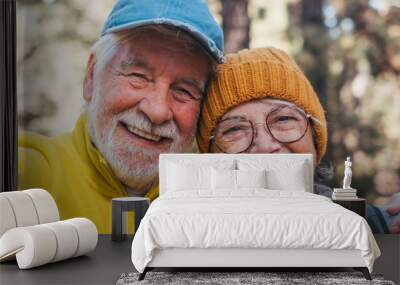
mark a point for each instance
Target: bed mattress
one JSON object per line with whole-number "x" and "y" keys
{"x": 250, "y": 219}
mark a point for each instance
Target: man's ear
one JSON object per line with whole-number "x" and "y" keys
{"x": 88, "y": 81}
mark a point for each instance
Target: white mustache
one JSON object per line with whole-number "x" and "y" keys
{"x": 167, "y": 130}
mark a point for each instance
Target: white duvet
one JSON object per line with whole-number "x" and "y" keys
{"x": 252, "y": 218}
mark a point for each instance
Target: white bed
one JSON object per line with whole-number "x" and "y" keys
{"x": 201, "y": 220}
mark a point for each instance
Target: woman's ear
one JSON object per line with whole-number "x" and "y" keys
{"x": 88, "y": 81}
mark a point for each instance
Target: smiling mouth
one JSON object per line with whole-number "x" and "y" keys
{"x": 145, "y": 135}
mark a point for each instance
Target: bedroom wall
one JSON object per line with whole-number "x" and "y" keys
{"x": 389, "y": 262}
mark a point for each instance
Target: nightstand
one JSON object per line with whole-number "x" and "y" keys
{"x": 139, "y": 205}
{"x": 357, "y": 205}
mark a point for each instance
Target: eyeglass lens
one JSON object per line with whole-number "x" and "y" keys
{"x": 285, "y": 124}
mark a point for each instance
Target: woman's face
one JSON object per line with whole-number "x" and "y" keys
{"x": 257, "y": 112}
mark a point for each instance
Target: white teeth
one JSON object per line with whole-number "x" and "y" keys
{"x": 140, "y": 133}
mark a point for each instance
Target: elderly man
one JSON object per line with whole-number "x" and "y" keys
{"x": 144, "y": 84}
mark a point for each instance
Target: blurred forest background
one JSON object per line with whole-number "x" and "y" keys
{"x": 350, "y": 51}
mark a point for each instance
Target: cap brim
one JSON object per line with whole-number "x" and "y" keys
{"x": 208, "y": 44}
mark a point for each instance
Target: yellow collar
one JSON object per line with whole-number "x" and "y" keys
{"x": 90, "y": 153}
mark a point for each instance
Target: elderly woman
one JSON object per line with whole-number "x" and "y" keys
{"x": 261, "y": 102}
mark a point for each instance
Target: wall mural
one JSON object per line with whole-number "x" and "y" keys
{"x": 96, "y": 109}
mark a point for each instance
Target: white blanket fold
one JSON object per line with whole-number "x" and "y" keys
{"x": 252, "y": 218}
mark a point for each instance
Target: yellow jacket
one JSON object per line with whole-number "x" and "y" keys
{"x": 74, "y": 172}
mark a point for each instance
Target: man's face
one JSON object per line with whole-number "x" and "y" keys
{"x": 144, "y": 102}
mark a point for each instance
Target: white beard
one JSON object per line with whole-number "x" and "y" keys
{"x": 133, "y": 165}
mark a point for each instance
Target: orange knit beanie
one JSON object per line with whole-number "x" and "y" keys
{"x": 256, "y": 74}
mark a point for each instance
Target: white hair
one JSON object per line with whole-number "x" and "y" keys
{"x": 104, "y": 49}
{"x": 106, "y": 46}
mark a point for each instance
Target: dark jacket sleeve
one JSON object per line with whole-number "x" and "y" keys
{"x": 375, "y": 216}
{"x": 377, "y": 219}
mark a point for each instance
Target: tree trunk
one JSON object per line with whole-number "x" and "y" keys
{"x": 236, "y": 25}
{"x": 316, "y": 44}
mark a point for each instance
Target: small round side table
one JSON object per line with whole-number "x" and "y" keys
{"x": 139, "y": 205}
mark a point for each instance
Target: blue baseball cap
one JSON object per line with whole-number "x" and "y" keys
{"x": 191, "y": 16}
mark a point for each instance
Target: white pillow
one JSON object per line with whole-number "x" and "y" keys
{"x": 251, "y": 178}
{"x": 223, "y": 179}
{"x": 181, "y": 177}
{"x": 290, "y": 179}
{"x": 282, "y": 174}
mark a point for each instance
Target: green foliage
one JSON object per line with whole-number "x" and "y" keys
{"x": 360, "y": 45}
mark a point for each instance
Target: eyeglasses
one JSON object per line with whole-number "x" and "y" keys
{"x": 286, "y": 124}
